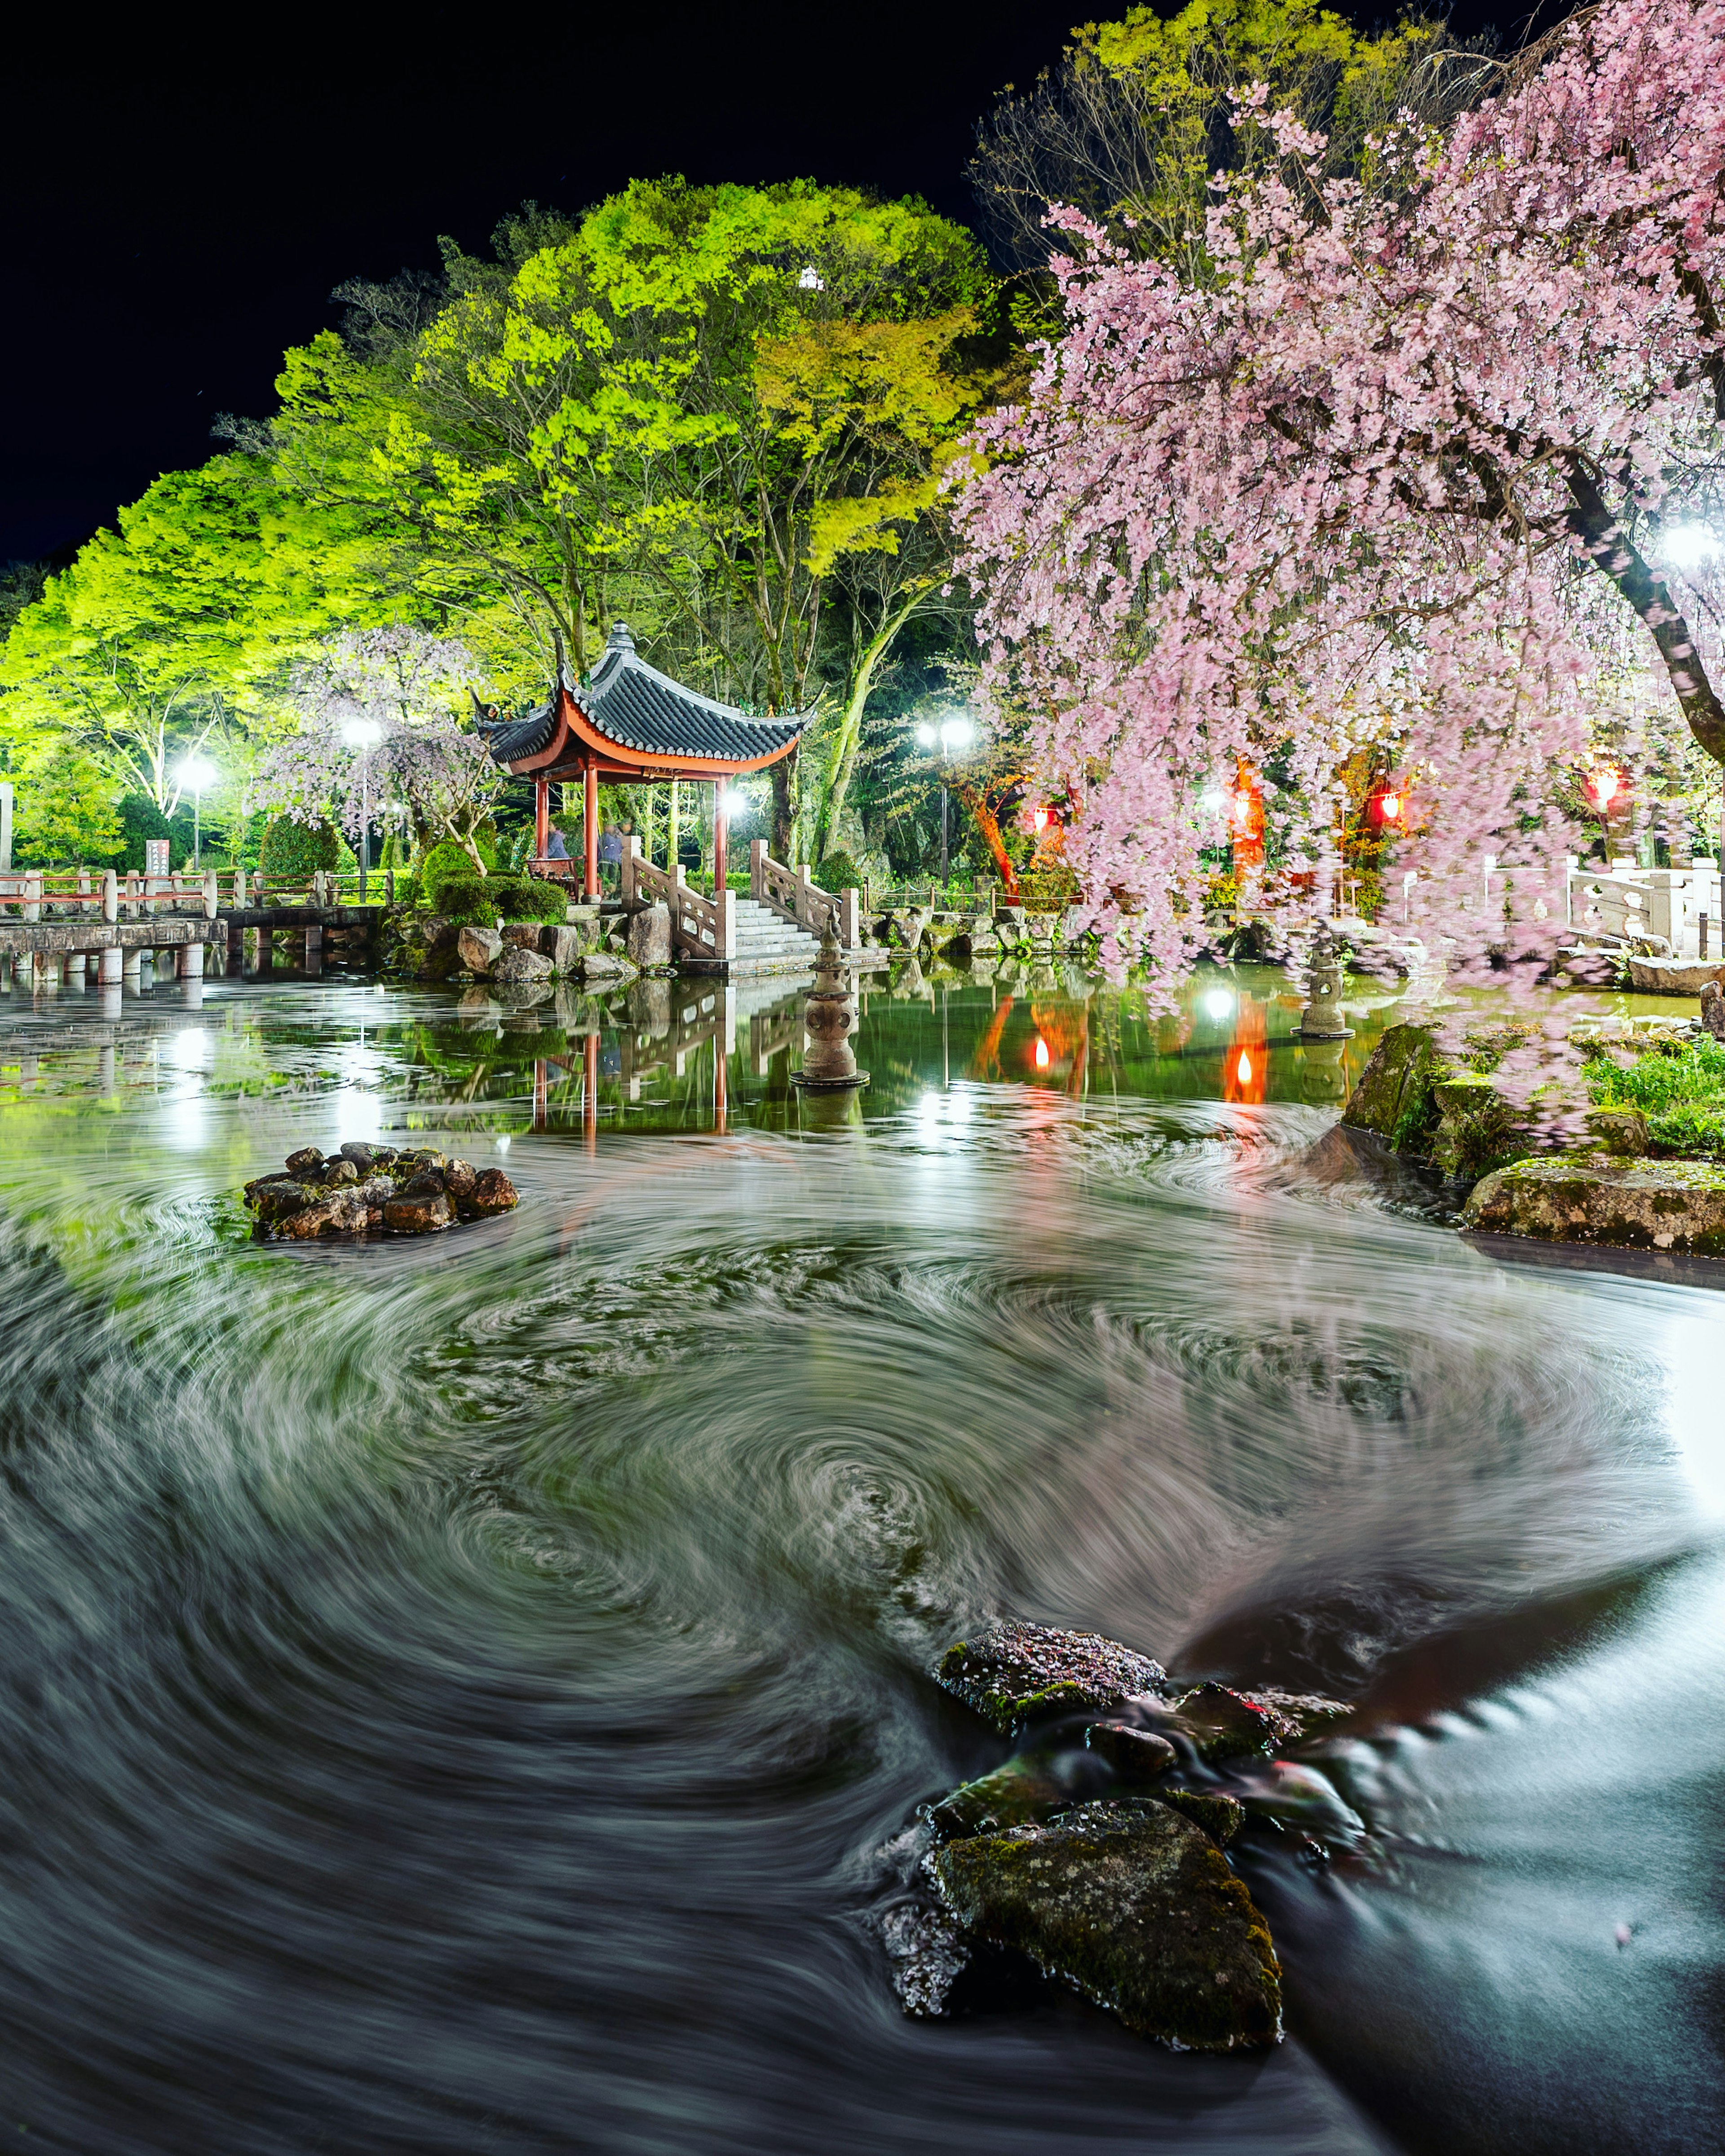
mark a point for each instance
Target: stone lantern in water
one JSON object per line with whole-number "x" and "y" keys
{"x": 828, "y": 1020}
{"x": 1323, "y": 1018}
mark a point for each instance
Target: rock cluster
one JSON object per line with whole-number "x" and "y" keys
{"x": 367, "y": 1189}
{"x": 1096, "y": 1851}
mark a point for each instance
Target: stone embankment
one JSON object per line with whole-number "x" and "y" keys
{"x": 1611, "y": 1182}
{"x": 373, "y": 1190}
{"x": 1098, "y": 1850}
{"x": 589, "y": 947}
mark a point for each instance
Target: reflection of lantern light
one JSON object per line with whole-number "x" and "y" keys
{"x": 1603, "y": 786}
{"x": 1392, "y": 807}
{"x": 1243, "y": 1070}
{"x": 1042, "y": 1055}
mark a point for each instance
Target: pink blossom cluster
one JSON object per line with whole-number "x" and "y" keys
{"x": 1396, "y": 473}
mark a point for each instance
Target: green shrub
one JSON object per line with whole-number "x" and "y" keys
{"x": 838, "y": 872}
{"x": 447, "y": 862}
{"x": 1679, "y": 1088}
{"x": 139, "y": 819}
{"x": 532, "y": 899}
{"x": 292, "y": 851}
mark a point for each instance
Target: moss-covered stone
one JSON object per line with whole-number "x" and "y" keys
{"x": 1632, "y": 1205}
{"x": 1395, "y": 1084}
{"x": 1026, "y": 1790}
{"x": 1219, "y": 1815}
{"x": 1013, "y": 1670}
{"x": 1134, "y": 1754}
{"x": 1135, "y": 1907}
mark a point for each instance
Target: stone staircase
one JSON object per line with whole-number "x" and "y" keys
{"x": 767, "y": 943}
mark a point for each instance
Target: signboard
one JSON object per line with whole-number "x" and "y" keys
{"x": 155, "y": 857}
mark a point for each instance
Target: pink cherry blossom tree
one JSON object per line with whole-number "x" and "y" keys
{"x": 1399, "y": 468}
{"x": 382, "y": 718}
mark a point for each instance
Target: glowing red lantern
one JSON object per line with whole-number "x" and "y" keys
{"x": 1042, "y": 818}
{"x": 1604, "y": 786}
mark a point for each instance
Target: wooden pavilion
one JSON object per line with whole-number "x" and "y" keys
{"x": 629, "y": 721}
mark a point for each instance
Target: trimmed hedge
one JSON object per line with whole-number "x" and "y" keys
{"x": 292, "y": 851}
{"x": 448, "y": 863}
{"x": 476, "y": 902}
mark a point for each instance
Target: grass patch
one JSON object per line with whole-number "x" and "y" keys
{"x": 1680, "y": 1087}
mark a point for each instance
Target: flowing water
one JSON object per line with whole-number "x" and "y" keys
{"x": 469, "y": 1695}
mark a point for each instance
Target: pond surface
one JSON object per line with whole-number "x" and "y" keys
{"x": 462, "y": 1695}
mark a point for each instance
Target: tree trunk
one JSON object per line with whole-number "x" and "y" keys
{"x": 784, "y": 815}
{"x": 986, "y": 823}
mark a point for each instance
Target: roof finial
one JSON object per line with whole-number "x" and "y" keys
{"x": 619, "y": 638}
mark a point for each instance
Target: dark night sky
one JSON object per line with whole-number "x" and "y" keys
{"x": 183, "y": 194}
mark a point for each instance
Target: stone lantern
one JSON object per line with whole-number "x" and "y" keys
{"x": 1323, "y": 1018}
{"x": 828, "y": 1020}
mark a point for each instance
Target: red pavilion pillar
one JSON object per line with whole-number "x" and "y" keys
{"x": 720, "y": 864}
{"x": 541, "y": 817}
{"x": 590, "y": 830}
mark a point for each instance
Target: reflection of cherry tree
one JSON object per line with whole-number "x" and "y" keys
{"x": 384, "y": 706}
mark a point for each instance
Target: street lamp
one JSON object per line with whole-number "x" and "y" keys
{"x": 952, "y": 736}
{"x": 364, "y": 735}
{"x": 195, "y": 773}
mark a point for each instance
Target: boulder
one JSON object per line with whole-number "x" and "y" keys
{"x": 1392, "y": 1087}
{"x": 479, "y": 948}
{"x": 523, "y": 936}
{"x": 606, "y": 966}
{"x": 307, "y": 1159}
{"x": 417, "y": 1216}
{"x": 1135, "y": 1907}
{"x": 1674, "y": 976}
{"x": 423, "y": 1183}
{"x": 517, "y": 967}
{"x": 1219, "y": 1815}
{"x": 1027, "y": 1789}
{"x": 1633, "y": 1204}
{"x": 569, "y": 944}
{"x": 1619, "y": 1131}
{"x": 492, "y": 1193}
{"x": 650, "y": 937}
{"x": 341, "y": 1213}
{"x": 1135, "y": 1755}
{"x": 367, "y": 1157}
{"x": 1712, "y": 1010}
{"x": 458, "y": 1179}
{"x": 1013, "y": 1669}
{"x": 335, "y": 1172}
{"x": 273, "y": 1198}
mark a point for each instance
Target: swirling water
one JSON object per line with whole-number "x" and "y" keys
{"x": 464, "y": 1696}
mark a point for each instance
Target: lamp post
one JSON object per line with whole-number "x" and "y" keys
{"x": 364, "y": 735}
{"x": 949, "y": 736}
{"x": 195, "y": 773}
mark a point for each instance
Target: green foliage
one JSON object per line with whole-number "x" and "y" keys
{"x": 530, "y": 898}
{"x": 838, "y": 872}
{"x": 1679, "y": 1088}
{"x": 477, "y": 901}
{"x": 291, "y": 850}
{"x": 449, "y": 862}
{"x": 68, "y": 810}
{"x": 139, "y": 819}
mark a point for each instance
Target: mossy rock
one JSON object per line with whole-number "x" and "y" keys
{"x": 1135, "y": 1906}
{"x": 1219, "y": 1815}
{"x": 1013, "y": 1670}
{"x": 1027, "y": 1790}
{"x": 1394, "y": 1087}
{"x": 1629, "y": 1204}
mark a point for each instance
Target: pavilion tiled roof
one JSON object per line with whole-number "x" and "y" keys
{"x": 638, "y": 707}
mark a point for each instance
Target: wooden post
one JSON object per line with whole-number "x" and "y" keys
{"x": 590, "y": 829}
{"x": 541, "y": 818}
{"x": 721, "y": 863}
{"x": 757, "y": 868}
{"x": 110, "y": 896}
{"x": 673, "y": 836}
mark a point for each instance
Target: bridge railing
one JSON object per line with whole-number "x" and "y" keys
{"x": 701, "y": 927}
{"x": 792, "y": 894}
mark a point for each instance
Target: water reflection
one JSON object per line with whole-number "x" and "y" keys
{"x": 487, "y": 1675}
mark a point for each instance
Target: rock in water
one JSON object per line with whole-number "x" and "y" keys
{"x": 479, "y": 948}
{"x": 1136, "y": 1755}
{"x": 418, "y": 1215}
{"x": 493, "y": 1193}
{"x": 649, "y": 936}
{"x": 517, "y": 967}
{"x": 1137, "y": 1909}
{"x": 1218, "y": 1815}
{"x": 1013, "y": 1669}
{"x": 1026, "y": 1790}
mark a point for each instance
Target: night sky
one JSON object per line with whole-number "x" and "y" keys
{"x": 183, "y": 193}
